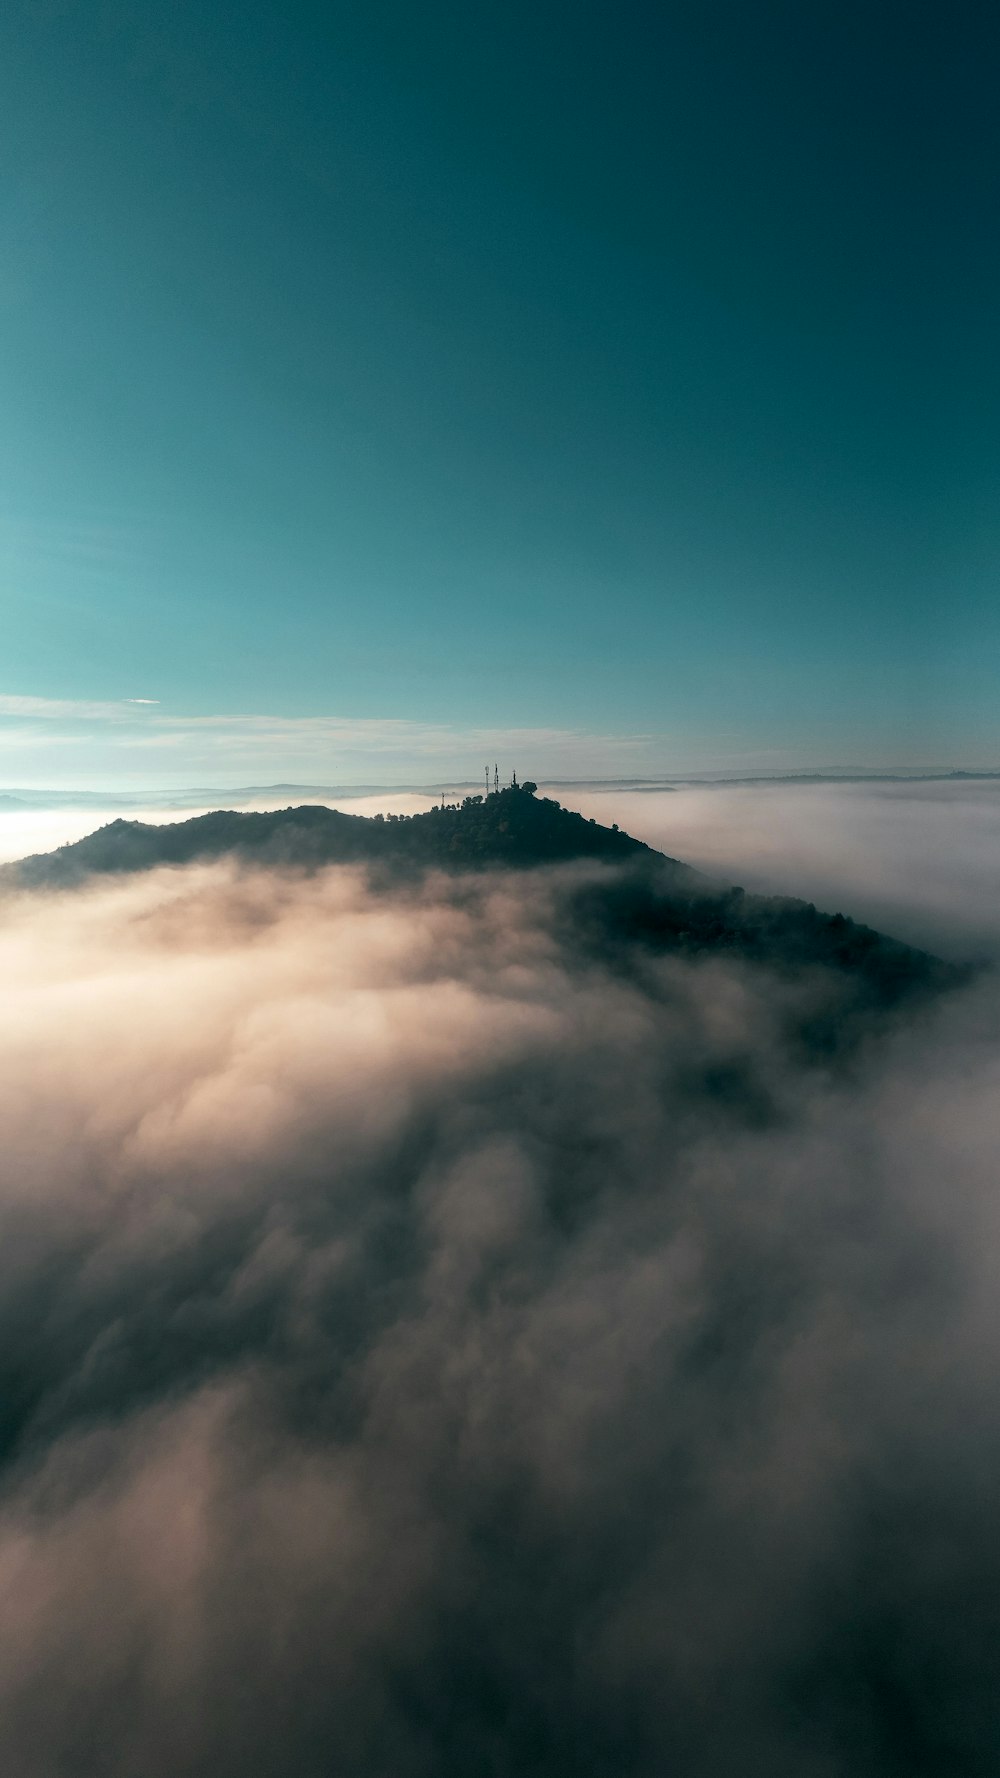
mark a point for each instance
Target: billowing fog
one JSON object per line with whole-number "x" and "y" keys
{"x": 432, "y": 1347}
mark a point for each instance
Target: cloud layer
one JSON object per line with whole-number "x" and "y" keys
{"x": 429, "y": 1350}
{"x": 920, "y": 859}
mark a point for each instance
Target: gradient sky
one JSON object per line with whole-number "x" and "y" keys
{"x": 624, "y": 373}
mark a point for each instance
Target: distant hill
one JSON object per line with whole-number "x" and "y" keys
{"x": 514, "y": 827}
{"x": 650, "y": 905}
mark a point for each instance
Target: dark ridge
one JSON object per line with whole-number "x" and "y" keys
{"x": 650, "y": 905}
{"x": 513, "y": 827}
{"x": 846, "y": 978}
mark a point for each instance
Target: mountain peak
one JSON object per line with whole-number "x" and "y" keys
{"x": 512, "y": 827}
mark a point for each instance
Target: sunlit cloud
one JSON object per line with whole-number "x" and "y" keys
{"x": 402, "y": 1309}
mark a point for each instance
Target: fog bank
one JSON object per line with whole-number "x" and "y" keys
{"x": 918, "y": 859}
{"x": 430, "y": 1349}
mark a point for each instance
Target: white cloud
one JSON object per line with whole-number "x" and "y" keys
{"x": 399, "y": 1309}
{"x": 63, "y": 709}
{"x": 112, "y": 743}
{"x": 919, "y": 859}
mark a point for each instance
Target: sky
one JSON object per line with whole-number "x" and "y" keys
{"x": 618, "y": 386}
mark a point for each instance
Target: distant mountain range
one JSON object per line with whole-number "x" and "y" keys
{"x": 18, "y": 798}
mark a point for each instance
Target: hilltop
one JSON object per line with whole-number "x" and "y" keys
{"x": 513, "y": 827}
{"x": 645, "y": 905}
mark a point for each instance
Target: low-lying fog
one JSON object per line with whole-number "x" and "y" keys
{"x": 24, "y": 830}
{"x": 432, "y": 1347}
{"x": 917, "y": 859}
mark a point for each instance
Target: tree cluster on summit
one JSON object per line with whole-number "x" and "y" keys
{"x": 510, "y": 826}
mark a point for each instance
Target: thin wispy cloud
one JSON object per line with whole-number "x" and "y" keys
{"x": 65, "y": 709}
{"x": 124, "y": 738}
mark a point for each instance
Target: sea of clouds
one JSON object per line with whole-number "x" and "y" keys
{"x": 416, "y": 1360}
{"x": 918, "y": 858}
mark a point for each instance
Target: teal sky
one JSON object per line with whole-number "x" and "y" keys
{"x": 381, "y": 379}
